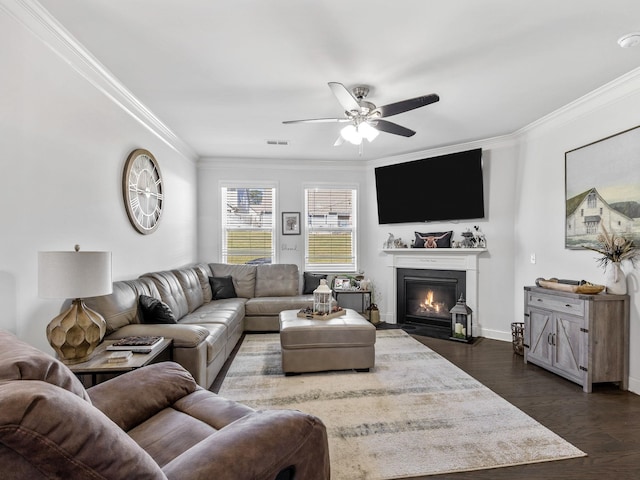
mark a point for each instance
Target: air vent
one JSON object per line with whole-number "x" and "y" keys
{"x": 278, "y": 142}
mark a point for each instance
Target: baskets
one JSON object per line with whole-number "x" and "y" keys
{"x": 517, "y": 333}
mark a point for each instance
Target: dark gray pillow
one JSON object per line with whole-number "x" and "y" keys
{"x": 153, "y": 310}
{"x": 222, "y": 287}
{"x": 312, "y": 281}
{"x": 433, "y": 240}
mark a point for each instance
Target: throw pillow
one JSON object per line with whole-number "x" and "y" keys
{"x": 222, "y": 287}
{"x": 312, "y": 281}
{"x": 433, "y": 240}
{"x": 153, "y": 310}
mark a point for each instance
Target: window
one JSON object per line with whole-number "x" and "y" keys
{"x": 248, "y": 224}
{"x": 330, "y": 220}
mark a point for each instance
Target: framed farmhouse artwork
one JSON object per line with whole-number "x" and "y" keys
{"x": 291, "y": 223}
{"x": 602, "y": 185}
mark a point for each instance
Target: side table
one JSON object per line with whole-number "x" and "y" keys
{"x": 365, "y": 299}
{"x": 97, "y": 369}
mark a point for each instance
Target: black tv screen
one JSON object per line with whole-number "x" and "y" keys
{"x": 448, "y": 187}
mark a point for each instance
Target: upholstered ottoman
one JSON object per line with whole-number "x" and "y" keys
{"x": 341, "y": 343}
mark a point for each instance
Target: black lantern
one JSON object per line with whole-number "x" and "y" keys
{"x": 461, "y": 322}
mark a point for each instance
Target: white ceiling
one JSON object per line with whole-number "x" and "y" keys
{"x": 224, "y": 74}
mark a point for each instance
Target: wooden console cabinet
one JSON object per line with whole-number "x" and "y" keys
{"x": 584, "y": 338}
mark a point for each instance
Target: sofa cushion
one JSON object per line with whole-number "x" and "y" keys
{"x": 154, "y": 388}
{"x": 171, "y": 292}
{"x": 244, "y": 277}
{"x": 118, "y": 309}
{"x": 21, "y": 361}
{"x": 183, "y": 336}
{"x": 63, "y": 436}
{"x": 204, "y": 272}
{"x": 153, "y": 310}
{"x": 312, "y": 281}
{"x": 275, "y": 305}
{"x": 277, "y": 280}
{"x": 188, "y": 279}
{"x": 433, "y": 240}
{"x": 222, "y": 287}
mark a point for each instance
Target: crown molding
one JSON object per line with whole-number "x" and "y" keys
{"x": 609, "y": 93}
{"x": 36, "y": 19}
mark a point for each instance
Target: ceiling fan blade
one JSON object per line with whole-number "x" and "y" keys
{"x": 390, "y": 127}
{"x": 406, "y": 105}
{"x": 319, "y": 120}
{"x": 344, "y": 96}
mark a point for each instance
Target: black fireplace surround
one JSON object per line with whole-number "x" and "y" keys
{"x": 424, "y": 298}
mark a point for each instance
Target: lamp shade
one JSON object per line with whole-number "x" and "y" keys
{"x": 74, "y": 274}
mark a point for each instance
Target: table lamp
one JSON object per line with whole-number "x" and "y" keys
{"x": 75, "y": 333}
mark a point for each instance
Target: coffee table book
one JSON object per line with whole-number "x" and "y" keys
{"x": 137, "y": 344}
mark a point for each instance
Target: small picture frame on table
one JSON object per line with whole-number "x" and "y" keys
{"x": 341, "y": 284}
{"x": 290, "y": 223}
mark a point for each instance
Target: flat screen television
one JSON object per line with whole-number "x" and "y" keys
{"x": 448, "y": 187}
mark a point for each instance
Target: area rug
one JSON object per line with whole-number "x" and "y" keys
{"x": 414, "y": 414}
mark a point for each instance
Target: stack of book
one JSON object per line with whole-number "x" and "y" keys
{"x": 137, "y": 344}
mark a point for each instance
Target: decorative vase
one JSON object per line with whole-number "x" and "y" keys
{"x": 615, "y": 279}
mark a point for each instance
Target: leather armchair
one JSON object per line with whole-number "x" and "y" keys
{"x": 155, "y": 423}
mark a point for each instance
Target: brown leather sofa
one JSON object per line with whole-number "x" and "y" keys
{"x": 207, "y": 329}
{"x": 152, "y": 423}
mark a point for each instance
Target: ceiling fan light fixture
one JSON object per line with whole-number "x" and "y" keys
{"x": 351, "y": 134}
{"x": 368, "y": 132}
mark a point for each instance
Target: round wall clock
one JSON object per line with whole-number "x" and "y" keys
{"x": 143, "y": 191}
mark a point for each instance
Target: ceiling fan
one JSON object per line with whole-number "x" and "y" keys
{"x": 364, "y": 118}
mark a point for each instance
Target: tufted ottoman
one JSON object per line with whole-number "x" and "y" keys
{"x": 342, "y": 343}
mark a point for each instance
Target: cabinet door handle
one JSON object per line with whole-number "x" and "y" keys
{"x": 549, "y": 338}
{"x": 553, "y": 339}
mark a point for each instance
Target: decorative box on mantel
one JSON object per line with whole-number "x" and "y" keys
{"x": 460, "y": 259}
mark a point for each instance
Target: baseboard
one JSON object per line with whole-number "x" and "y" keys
{"x": 634, "y": 385}
{"x": 495, "y": 334}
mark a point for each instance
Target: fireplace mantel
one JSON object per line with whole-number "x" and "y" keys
{"x": 435, "y": 258}
{"x": 465, "y": 259}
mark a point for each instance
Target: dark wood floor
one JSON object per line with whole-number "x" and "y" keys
{"x": 605, "y": 424}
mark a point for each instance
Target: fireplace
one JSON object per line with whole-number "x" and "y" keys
{"x": 424, "y": 298}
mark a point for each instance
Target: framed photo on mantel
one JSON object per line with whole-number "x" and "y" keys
{"x": 602, "y": 185}
{"x": 290, "y": 223}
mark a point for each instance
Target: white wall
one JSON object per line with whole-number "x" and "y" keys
{"x": 492, "y": 314}
{"x": 290, "y": 177}
{"x": 495, "y": 266}
{"x": 62, "y": 150}
{"x": 540, "y": 209}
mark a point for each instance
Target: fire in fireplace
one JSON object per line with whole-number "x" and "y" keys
{"x": 425, "y": 297}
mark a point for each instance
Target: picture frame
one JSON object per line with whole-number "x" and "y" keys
{"x": 602, "y": 189}
{"x": 341, "y": 284}
{"x": 290, "y": 223}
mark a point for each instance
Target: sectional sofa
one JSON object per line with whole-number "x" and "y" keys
{"x": 204, "y": 308}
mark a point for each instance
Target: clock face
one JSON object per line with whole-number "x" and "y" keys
{"x": 143, "y": 191}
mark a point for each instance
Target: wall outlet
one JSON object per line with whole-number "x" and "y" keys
{"x": 533, "y": 258}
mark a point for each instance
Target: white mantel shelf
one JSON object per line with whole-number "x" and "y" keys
{"x": 465, "y": 259}
{"x": 435, "y": 251}
{"x": 434, "y": 258}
